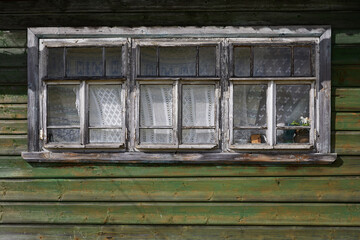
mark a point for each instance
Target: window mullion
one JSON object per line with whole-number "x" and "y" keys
{"x": 83, "y": 113}
{"x": 177, "y": 112}
{"x": 271, "y": 113}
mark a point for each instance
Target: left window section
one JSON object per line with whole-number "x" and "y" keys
{"x": 83, "y": 92}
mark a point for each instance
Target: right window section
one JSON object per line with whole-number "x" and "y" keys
{"x": 272, "y": 95}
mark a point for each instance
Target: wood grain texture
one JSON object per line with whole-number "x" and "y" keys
{"x": 345, "y": 75}
{"x": 259, "y": 189}
{"x": 12, "y": 144}
{"x": 346, "y": 36}
{"x": 13, "y": 126}
{"x": 337, "y": 19}
{"x": 13, "y": 76}
{"x": 91, "y": 232}
{"x": 346, "y": 54}
{"x": 346, "y": 99}
{"x": 311, "y": 214}
{"x": 93, "y": 6}
{"x": 12, "y": 38}
{"x": 12, "y": 57}
{"x": 16, "y": 167}
{"x": 13, "y": 94}
{"x": 346, "y": 142}
{"x": 13, "y": 111}
{"x": 346, "y": 121}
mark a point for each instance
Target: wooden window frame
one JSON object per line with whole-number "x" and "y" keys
{"x": 224, "y": 152}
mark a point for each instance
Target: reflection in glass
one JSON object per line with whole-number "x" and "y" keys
{"x": 249, "y": 105}
{"x": 105, "y": 105}
{"x": 201, "y": 136}
{"x": 113, "y": 61}
{"x": 55, "y": 64}
{"x": 177, "y": 61}
{"x": 302, "y": 64}
{"x": 292, "y": 136}
{"x": 272, "y": 61}
{"x": 69, "y": 135}
{"x": 156, "y": 105}
{"x": 63, "y": 105}
{"x": 198, "y": 105}
{"x": 292, "y": 102}
{"x": 150, "y": 136}
{"x": 148, "y": 61}
{"x": 105, "y": 135}
{"x": 249, "y": 136}
{"x": 207, "y": 61}
{"x": 241, "y": 61}
{"x": 84, "y": 62}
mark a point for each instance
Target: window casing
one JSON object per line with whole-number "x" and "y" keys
{"x": 222, "y": 94}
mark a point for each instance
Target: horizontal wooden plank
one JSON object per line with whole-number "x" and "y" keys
{"x": 346, "y": 142}
{"x": 346, "y": 121}
{"x": 13, "y": 94}
{"x": 346, "y": 54}
{"x": 143, "y": 232}
{"x": 12, "y": 144}
{"x": 263, "y": 189}
{"x": 13, "y": 76}
{"x": 345, "y": 75}
{"x": 346, "y": 36}
{"x": 346, "y": 99}
{"x": 13, "y": 111}
{"x": 175, "y": 5}
{"x": 12, "y": 57}
{"x": 13, "y": 126}
{"x": 186, "y": 158}
{"x": 16, "y": 167}
{"x": 12, "y": 38}
{"x": 337, "y": 19}
{"x": 323, "y": 214}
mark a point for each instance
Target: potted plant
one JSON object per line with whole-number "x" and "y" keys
{"x": 301, "y": 135}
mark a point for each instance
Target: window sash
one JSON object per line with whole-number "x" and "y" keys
{"x": 271, "y": 115}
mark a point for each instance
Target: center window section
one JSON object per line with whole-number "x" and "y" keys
{"x": 178, "y": 96}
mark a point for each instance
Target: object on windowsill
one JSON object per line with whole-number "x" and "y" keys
{"x": 256, "y": 138}
{"x": 301, "y": 136}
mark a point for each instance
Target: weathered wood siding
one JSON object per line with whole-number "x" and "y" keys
{"x": 47, "y": 201}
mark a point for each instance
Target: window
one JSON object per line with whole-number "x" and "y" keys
{"x": 180, "y": 94}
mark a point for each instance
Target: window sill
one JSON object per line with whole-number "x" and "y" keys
{"x": 87, "y": 146}
{"x": 268, "y": 147}
{"x": 188, "y": 158}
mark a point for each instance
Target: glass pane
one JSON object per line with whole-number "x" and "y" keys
{"x": 292, "y": 104}
{"x": 156, "y": 105}
{"x": 302, "y": 61}
{"x": 207, "y": 60}
{"x": 272, "y": 61}
{"x": 151, "y": 136}
{"x": 113, "y": 61}
{"x": 63, "y": 135}
{"x": 249, "y": 105}
{"x": 84, "y": 62}
{"x": 148, "y": 61}
{"x": 191, "y": 136}
{"x": 177, "y": 61}
{"x": 63, "y": 105}
{"x": 55, "y": 64}
{"x": 105, "y": 105}
{"x": 241, "y": 61}
{"x": 105, "y": 135}
{"x": 198, "y": 105}
{"x": 292, "y": 136}
{"x": 253, "y": 136}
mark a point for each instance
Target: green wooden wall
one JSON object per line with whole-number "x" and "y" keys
{"x": 52, "y": 201}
